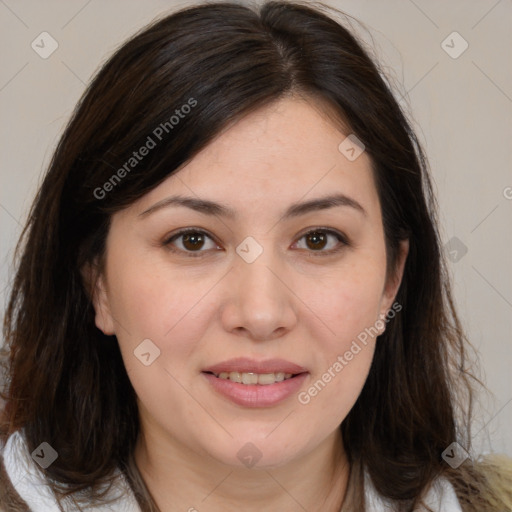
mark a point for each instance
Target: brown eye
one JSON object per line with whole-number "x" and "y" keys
{"x": 317, "y": 240}
{"x": 192, "y": 243}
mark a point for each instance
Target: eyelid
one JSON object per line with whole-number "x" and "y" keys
{"x": 169, "y": 239}
{"x": 342, "y": 238}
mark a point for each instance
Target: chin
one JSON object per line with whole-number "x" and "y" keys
{"x": 255, "y": 454}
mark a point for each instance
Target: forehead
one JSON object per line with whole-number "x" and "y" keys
{"x": 284, "y": 152}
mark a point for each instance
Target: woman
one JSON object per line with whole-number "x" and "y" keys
{"x": 231, "y": 292}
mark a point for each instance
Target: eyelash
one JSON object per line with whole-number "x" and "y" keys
{"x": 194, "y": 254}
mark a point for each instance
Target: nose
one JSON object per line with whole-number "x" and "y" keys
{"x": 259, "y": 300}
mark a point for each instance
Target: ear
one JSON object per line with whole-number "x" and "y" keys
{"x": 394, "y": 280}
{"x": 95, "y": 284}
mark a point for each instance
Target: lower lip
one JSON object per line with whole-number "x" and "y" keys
{"x": 251, "y": 395}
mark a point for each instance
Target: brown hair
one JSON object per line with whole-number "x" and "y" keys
{"x": 67, "y": 384}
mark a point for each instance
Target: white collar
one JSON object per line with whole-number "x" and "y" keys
{"x": 440, "y": 497}
{"x": 29, "y": 483}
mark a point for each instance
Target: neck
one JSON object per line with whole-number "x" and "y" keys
{"x": 180, "y": 479}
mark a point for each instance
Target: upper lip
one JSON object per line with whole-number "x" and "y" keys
{"x": 247, "y": 365}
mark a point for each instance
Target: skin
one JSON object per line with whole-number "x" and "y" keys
{"x": 287, "y": 304}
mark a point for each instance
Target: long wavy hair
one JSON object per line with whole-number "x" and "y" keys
{"x": 66, "y": 382}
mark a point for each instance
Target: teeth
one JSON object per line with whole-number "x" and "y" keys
{"x": 249, "y": 378}
{"x": 254, "y": 378}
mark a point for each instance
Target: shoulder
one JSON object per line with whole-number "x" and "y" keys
{"x": 12, "y": 470}
{"x": 22, "y": 483}
{"x": 440, "y": 497}
{"x": 10, "y": 500}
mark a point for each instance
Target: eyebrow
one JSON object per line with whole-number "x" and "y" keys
{"x": 294, "y": 210}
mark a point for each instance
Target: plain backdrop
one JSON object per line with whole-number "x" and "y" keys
{"x": 450, "y": 64}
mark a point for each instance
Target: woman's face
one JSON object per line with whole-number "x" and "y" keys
{"x": 251, "y": 284}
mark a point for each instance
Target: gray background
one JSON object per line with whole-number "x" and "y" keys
{"x": 461, "y": 108}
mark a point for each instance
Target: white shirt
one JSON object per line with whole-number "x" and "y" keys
{"x": 30, "y": 484}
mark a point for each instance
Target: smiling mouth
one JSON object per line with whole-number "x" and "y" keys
{"x": 250, "y": 378}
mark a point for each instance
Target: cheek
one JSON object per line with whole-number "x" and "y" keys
{"x": 146, "y": 295}
{"x": 333, "y": 393}
{"x": 343, "y": 360}
{"x": 348, "y": 305}
{"x": 173, "y": 313}
{"x": 168, "y": 307}
{"x": 347, "y": 302}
